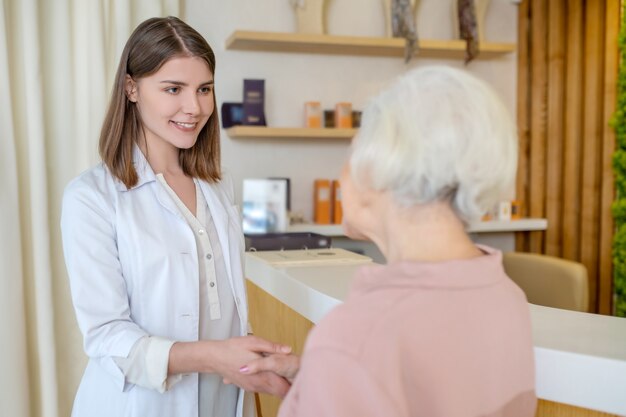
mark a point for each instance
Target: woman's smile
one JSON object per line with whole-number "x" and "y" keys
{"x": 185, "y": 127}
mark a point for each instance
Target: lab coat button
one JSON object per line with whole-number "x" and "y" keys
{"x": 212, "y": 284}
{"x": 209, "y": 256}
{"x": 201, "y": 231}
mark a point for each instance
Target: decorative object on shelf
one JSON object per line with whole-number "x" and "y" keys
{"x": 469, "y": 24}
{"x": 329, "y": 118}
{"x": 400, "y": 22}
{"x": 232, "y": 114}
{"x": 254, "y": 102}
{"x": 310, "y": 15}
{"x": 356, "y": 118}
{"x": 468, "y": 28}
{"x": 618, "y": 122}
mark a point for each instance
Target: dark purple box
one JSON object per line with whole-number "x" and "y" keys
{"x": 254, "y": 102}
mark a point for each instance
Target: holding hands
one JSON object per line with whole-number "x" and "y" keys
{"x": 268, "y": 367}
{"x": 285, "y": 365}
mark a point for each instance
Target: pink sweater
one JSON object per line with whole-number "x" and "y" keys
{"x": 441, "y": 339}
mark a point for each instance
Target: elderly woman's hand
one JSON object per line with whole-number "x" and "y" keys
{"x": 286, "y": 366}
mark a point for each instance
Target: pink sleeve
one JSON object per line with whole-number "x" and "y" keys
{"x": 332, "y": 383}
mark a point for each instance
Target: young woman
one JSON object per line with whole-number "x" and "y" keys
{"x": 153, "y": 244}
{"x": 439, "y": 331}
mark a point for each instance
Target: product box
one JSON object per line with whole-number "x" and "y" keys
{"x": 264, "y": 206}
{"x": 336, "y": 199}
{"x": 322, "y": 201}
{"x": 312, "y": 114}
{"x": 254, "y": 102}
{"x": 516, "y": 210}
{"x": 343, "y": 115}
{"x": 504, "y": 210}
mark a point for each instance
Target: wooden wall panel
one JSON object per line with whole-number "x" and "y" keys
{"x": 573, "y": 129}
{"x": 567, "y": 61}
{"x": 523, "y": 116}
{"x": 592, "y": 135}
{"x": 538, "y": 117}
{"x": 554, "y": 143}
{"x": 607, "y": 187}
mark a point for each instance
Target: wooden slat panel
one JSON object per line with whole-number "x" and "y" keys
{"x": 554, "y": 151}
{"x": 538, "y": 117}
{"x": 611, "y": 60}
{"x": 523, "y": 115}
{"x": 592, "y": 131}
{"x": 573, "y": 130}
{"x": 552, "y": 409}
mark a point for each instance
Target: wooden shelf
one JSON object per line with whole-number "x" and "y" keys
{"x": 356, "y": 45}
{"x": 289, "y": 132}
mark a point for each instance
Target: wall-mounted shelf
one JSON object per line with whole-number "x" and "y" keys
{"x": 356, "y": 45}
{"x": 289, "y": 132}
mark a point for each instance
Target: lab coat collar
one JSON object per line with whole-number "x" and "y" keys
{"x": 144, "y": 171}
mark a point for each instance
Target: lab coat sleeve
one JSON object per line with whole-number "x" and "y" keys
{"x": 147, "y": 364}
{"x": 97, "y": 285}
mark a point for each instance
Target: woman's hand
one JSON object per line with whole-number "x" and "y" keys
{"x": 224, "y": 357}
{"x": 281, "y": 364}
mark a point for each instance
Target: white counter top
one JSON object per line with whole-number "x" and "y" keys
{"x": 580, "y": 358}
{"x": 493, "y": 226}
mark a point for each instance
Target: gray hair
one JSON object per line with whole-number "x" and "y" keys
{"x": 437, "y": 134}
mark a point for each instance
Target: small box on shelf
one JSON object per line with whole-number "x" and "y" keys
{"x": 322, "y": 201}
{"x": 343, "y": 115}
{"x": 312, "y": 114}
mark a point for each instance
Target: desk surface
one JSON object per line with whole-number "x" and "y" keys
{"x": 580, "y": 357}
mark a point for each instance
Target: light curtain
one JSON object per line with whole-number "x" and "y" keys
{"x": 57, "y": 61}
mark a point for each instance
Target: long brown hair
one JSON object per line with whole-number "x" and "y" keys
{"x": 151, "y": 45}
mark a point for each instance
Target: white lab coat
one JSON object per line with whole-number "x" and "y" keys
{"x": 133, "y": 268}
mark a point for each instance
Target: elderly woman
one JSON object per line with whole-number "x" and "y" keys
{"x": 440, "y": 330}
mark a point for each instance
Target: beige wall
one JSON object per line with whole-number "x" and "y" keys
{"x": 292, "y": 79}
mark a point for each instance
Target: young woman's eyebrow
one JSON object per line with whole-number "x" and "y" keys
{"x": 184, "y": 84}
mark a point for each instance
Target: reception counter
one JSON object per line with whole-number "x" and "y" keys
{"x": 498, "y": 234}
{"x": 580, "y": 358}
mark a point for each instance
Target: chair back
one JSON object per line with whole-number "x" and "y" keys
{"x": 549, "y": 281}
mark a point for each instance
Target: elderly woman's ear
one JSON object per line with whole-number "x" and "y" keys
{"x": 363, "y": 207}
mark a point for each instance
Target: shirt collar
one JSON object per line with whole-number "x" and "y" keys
{"x": 458, "y": 274}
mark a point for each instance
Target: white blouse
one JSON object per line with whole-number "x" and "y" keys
{"x": 148, "y": 361}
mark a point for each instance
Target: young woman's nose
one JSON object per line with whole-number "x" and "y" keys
{"x": 191, "y": 104}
